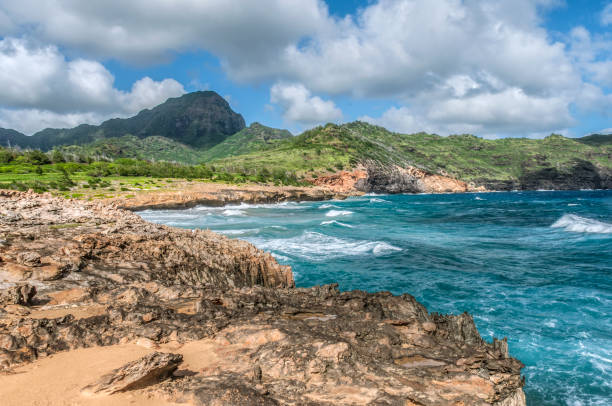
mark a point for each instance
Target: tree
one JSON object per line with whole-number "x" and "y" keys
{"x": 57, "y": 157}
{"x": 37, "y": 157}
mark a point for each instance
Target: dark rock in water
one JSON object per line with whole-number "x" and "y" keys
{"x": 124, "y": 280}
{"x": 148, "y": 370}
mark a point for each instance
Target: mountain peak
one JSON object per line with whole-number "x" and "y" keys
{"x": 198, "y": 119}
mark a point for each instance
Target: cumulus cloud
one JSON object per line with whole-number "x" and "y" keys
{"x": 590, "y": 55}
{"x": 152, "y": 30}
{"x": 300, "y": 106}
{"x": 510, "y": 112}
{"x": 467, "y": 53}
{"x": 41, "y": 88}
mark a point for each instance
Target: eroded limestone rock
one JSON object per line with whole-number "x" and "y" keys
{"x": 148, "y": 370}
{"x": 124, "y": 280}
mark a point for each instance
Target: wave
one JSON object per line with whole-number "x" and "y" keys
{"x": 328, "y": 206}
{"x": 383, "y": 248}
{"x": 335, "y": 222}
{"x": 317, "y": 247}
{"x": 233, "y": 212}
{"x": 478, "y": 198}
{"x": 336, "y": 213}
{"x": 577, "y": 224}
{"x": 376, "y": 200}
{"x": 237, "y": 232}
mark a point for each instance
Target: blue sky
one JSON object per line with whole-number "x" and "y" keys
{"x": 495, "y": 69}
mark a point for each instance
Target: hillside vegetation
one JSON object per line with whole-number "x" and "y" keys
{"x": 470, "y": 158}
{"x": 200, "y": 129}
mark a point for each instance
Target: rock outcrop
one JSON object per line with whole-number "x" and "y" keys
{"x": 343, "y": 181}
{"x": 582, "y": 175}
{"x": 148, "y": 370}
{"x": 105, "y": 277}
{"x": 396, "y": 179}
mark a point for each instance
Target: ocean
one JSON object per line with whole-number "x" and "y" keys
{"x": 533, "y": 266}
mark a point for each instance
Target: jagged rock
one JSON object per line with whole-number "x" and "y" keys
{"x": 129, "y": 281}
{"x": 150, "y": 369}
{"x": 17, "y": 295}
{"x": 396, "y": 179}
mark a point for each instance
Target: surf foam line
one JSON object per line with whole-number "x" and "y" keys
{"x": 336, "y": 213}
{"x": 576, "y": 224}
{"x": 319, "y": 247}
{"x": 335, "y": 222}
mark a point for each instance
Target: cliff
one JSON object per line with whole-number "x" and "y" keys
{"x": 75, "y": 275}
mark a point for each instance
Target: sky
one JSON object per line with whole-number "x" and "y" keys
{"x": 497, "y": 68}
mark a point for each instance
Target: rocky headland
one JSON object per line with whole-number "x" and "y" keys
{"x": 99, "y": 307}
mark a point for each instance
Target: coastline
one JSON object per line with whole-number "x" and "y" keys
{"x": 89, "y": 274}
{"x": 186, "y": 195}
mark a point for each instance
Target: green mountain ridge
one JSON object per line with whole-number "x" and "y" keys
{"x": 198, "y": 119}
{"x": 256, "y": 137}
{"x": 200, "y": 127}
{"x": 466, "y": 157}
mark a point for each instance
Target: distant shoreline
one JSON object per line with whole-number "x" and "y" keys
{"x": 218, "y": 195}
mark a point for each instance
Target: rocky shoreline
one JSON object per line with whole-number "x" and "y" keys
{"x": 76, "y": 275}
{"x": 215, "y": 194}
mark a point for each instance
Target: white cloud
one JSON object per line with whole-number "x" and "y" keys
{"x": 606, "y": 15}
{"x": 401, "y": 120}
{"x": 591, "y": 55}
{"x": 41, "y": 88}
{"x": 145, "y": 30}
{"x": 298, "y": 105}
{"x": 435, "y": 58}
{"x": 510, "y": 112}
{"x": 29, "y": 121}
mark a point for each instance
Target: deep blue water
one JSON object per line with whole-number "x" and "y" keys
{"x": 533, "y": 266}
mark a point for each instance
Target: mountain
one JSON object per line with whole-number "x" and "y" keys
{"x": 596, "y": 139}
{"x": 154, "y": 148}
{"x": 198, "y": 119}
{"x": 555, "y": 162}
{"x": 254, "y": 138}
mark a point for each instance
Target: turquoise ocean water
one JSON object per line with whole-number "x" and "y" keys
{"x": 533, "y": 266}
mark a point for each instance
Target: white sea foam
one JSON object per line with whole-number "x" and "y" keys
{"x": 377, "y": 200}
{"x": 336, "y": 213}
{"x": 478, "y": 198}
{"x": 573, "y": 204}
{"x": 335, "y": 222}
{"x": 577, "y": 224}
{"x": 315, "y": 246}
{"x": 237, "y": 232}
{"x": 552, "y": 323}
{"x": 384, "y": 248}
{"x": 233, "y": 212}
{"x": 327, "y": 206}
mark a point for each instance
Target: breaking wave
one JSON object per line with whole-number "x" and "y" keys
{"x": 336, "y": 213}
{"x": 335, "y": 222}
{"x": 319, "y": 247}
{"x": 577, "y": 224}
{"x": 233, "y": 212}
